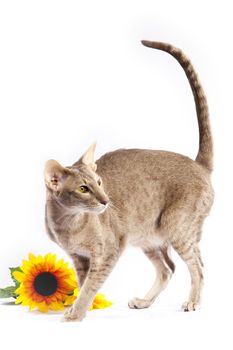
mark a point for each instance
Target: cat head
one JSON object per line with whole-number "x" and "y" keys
{"x": 77, "y": 188}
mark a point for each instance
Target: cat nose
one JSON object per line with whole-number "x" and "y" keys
{"x": 104, "y": 201}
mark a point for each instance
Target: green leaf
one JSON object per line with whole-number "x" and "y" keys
{"x": 13, "y": 269}
{"x": 8, "y": 292}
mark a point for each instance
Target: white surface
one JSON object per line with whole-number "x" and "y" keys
{"x": 158, "y": 327}
{"x": 74, "y": 72}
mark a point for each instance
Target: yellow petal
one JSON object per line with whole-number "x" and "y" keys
{"x": 69, "y": 300}
{"x": 32, "y": 258}
{"x": 19, "y": 290}
{"x": 43, "y": 307}
{"x": 100, "y": 302}
{"x": 59, "y": 263}
{"x": 39, "y": 259}
{"x": 26, "y": 267}
{"x": 56, "y": 306}
{"x": 71, "y": 282}
{"x": 72, "y": 274}
{"x": 19, "y": 300}
{"x": 32, "y": 306}
{"x": 51, "y": 259}
{"x": 26, "y": 301}
{"x": 100, "y": 296}
{"x": 19, "y": 276}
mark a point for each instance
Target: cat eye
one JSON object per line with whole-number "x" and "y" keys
{"x": 82, "y": 189}
{"x": 99, "y": 182}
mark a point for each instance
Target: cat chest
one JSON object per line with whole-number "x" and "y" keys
{"x": 69, "y": 236}
{"x": 63, "y": 236}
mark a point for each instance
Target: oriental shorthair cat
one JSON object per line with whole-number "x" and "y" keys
{"x": 147, "y": 198}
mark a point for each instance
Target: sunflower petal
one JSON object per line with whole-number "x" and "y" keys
{"x": 32, "y": 258}
{"x": 56, "y": 306}
{"x": 19, "y": 290}
{"x": 32, "y": 306}
{"x": 100, "y": 302}
{"x": 43, "y": 307}
{"x": 19, "y": 300}
{"x": 70, "y": 299}
{"x": 26, "y": 267}
{"x": 19, "y": 276}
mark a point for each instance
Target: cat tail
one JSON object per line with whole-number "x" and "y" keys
{"x": 205, "y": 152}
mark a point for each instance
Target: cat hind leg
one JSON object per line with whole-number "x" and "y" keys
{"x": 190, "y": 254}
{"x": 164, "y": 269}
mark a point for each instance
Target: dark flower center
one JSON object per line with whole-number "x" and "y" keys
{"x": 45, "y": 283}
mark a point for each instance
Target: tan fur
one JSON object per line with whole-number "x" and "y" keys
{"x": 151, "y": 199}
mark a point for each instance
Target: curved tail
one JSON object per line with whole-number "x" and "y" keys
{"x": 205, "y": 152}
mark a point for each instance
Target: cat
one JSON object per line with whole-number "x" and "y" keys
{"x": 150, "y": 199}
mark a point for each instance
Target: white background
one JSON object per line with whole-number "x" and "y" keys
{"x": 72, "y": 72}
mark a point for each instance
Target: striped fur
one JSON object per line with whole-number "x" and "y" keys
{"x": 205, "y": 152}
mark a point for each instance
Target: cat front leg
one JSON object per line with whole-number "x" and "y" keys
{"x": 81, "y": 265}
{"x": 100, "y": 268}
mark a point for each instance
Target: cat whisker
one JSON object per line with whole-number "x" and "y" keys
{"x": 113, "y": 206}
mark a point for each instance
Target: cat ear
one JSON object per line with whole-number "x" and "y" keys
{"x": 88, "y": 157}
{"x": 55, "y": 174}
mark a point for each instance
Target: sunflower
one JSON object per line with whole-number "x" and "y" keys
{"x": 44, "y": 283}
{"x": 49, "y": 284}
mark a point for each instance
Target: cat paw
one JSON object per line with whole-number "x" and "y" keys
{"x": 71, "y": 315}
{"x": 189, "y": 306}
{"x": 137, "y": 303}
